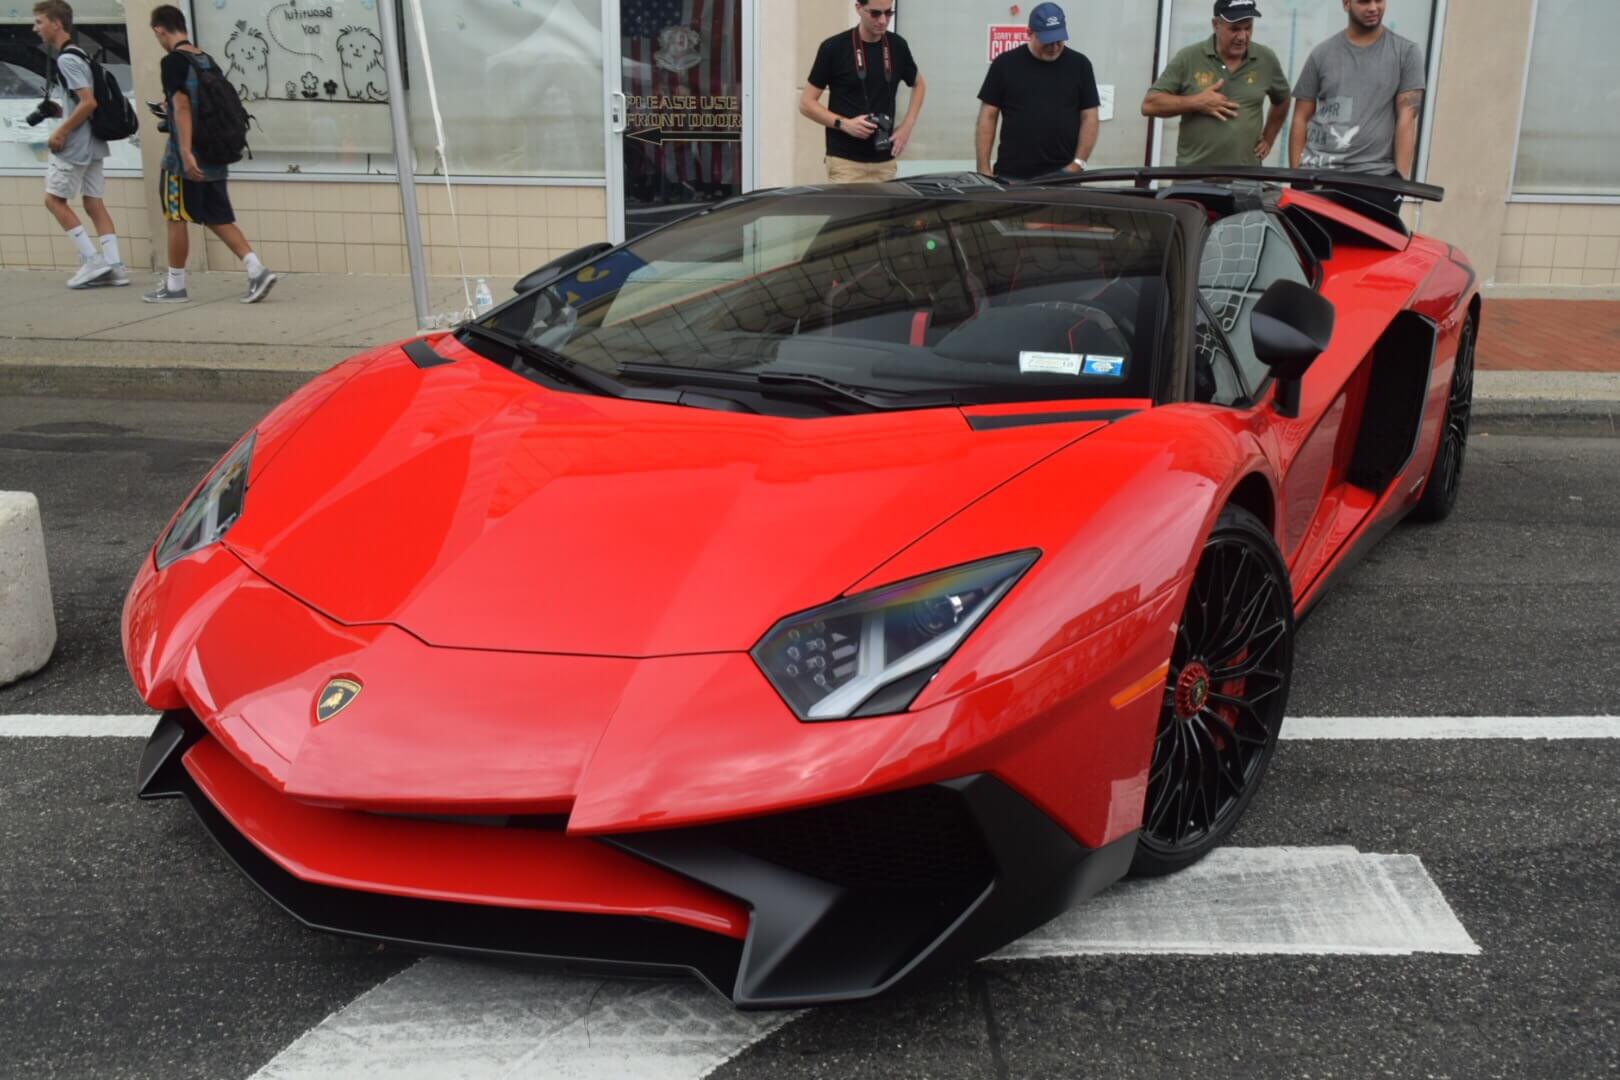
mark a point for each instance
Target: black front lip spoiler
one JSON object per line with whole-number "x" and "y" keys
{"x": 809, "y": 942}
{"x": 598, "y": 944}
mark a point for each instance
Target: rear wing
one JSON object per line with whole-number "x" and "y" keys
{"x": 1327, "y": 179}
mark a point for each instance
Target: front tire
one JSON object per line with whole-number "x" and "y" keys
{"x": 1224, "y": 701}
{"x": 1445, "y": 476}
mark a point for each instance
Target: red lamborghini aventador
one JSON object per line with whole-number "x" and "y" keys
{"x": 822, "y": 589}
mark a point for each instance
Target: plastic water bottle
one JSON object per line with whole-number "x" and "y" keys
{"x": 483, "y": 299}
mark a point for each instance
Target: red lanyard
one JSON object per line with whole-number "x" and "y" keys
{"x": 860, "y": 57}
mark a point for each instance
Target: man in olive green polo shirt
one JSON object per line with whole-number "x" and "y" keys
{"x": 1218, "y": 88}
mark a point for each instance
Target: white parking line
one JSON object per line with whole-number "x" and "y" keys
{"x": 77, "y": 727}
{"x": 1297, "y": 728}
{"x": 449, "y": 1018}
{"x": 1451, "y": 727}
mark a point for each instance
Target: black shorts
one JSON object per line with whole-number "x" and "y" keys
{"x": 200, "y": 202}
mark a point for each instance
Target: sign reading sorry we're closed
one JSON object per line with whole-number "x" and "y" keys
{"x": 1006, "y": 38}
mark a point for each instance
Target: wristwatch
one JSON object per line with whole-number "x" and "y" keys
{"x": 1080, "y": 161}
{"x": 838, "y": 123}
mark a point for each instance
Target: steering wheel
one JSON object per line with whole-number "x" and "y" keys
{"x": 1092, "y": 314}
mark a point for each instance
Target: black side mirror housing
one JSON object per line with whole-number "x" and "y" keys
{"x": 1290, "y": 327}
{"x": 540, "y": 275}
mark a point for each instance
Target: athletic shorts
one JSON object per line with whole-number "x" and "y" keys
{"x": 72, "y": 181}
{"x": 199, "y": 202}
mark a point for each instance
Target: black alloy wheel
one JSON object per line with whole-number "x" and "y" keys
{"x": 1445, "y": 477}
{"x": 1224, "y": 700}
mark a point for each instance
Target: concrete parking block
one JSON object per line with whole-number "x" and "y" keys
{"x": 27, "y": 619}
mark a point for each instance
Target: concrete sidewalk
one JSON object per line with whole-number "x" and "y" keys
{"x": 1537, "y": 359}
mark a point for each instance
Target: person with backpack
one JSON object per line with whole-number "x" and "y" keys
{"x": 207, "y": 132}
{"x": 74, "y": 170}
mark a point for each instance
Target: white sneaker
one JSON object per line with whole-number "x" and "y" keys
{"x": 119, "y": 276}
{"x": 91, "y": 270}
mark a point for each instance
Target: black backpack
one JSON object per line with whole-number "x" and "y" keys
{"x": 219, "y": 121}
{"x": 114, "y": 117}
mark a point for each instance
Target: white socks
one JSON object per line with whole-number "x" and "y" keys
{"x": 81, "y": 240}
{"x": 251, "y": 263}
{"x": 109, "y": 249}
{"x": 177, "y": 279}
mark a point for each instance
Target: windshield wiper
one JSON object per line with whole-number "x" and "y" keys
{"x": 557, "y": 365}
{"x": 797, "y": 382}
{"x": 553, "y": 362}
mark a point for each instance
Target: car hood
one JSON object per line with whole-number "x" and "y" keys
{"x": 475, "y": 509}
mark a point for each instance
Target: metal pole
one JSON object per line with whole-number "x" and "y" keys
{"x": 405, "y": 162}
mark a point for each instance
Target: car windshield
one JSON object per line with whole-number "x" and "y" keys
{"x": 974, "y": 299}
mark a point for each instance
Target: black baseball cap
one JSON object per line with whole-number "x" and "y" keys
{"x": 1236, "y": 10}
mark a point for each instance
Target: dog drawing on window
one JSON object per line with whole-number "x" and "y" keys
{"x": 361, "y": 53}
{"x": 249, "y": 56}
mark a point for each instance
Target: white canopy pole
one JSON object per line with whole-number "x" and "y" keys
{"x": 405, "y": 162}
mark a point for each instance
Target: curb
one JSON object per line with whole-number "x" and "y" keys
{"x": 244, "y": 386}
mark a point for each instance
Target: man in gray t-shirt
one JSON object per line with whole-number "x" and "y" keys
{"x": 1358, "y": 99}
{"x": 75, "y": 167}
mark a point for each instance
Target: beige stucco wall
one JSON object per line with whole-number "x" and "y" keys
{"x": 1474, "y": 118}
{"x": 818, "y": 20}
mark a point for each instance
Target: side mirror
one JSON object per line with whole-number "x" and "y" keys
{"x": 540, "y": 275}
{"x": 1290, "y": 327}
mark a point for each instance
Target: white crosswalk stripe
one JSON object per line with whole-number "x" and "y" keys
{"x": 446, "y": 1018}
{"x": 1310, "y": 900}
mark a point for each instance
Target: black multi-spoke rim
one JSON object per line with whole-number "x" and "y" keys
{"x": 1224, "y": 700}
{"x": 1448, "y": 468}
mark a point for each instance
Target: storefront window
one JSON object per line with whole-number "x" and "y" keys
{"x": 952, "y": 45}
{"x": 312, "y": 76}
{"x": 1291, "y": 29}
{"x": 519, "y": 85}
{"x": 1569, "y": 140}
{"x": 98, "y": 30}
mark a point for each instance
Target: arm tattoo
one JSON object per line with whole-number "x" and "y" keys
{"x": 1411, "y": 101}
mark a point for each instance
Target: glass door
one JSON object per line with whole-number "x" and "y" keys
{"x": 676, "y": 109}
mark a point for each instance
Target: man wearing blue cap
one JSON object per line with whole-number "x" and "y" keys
{"x": 1045, "y": 96}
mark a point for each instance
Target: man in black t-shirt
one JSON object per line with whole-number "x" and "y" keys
{"x": 863, "y": 70}
{"x": 1045, "y": 94}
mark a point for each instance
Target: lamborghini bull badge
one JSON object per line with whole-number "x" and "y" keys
{"x": 338, "y": 695}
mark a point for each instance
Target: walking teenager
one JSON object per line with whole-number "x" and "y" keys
{"x": 193, "y": 192}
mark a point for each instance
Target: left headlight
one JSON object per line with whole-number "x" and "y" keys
{"x": 213, "y": 510}
{"x": 871, "y": 654}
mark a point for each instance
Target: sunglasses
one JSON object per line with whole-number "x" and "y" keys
{"x": 883, "y": 13}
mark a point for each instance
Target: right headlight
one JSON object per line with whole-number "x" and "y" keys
{"x": 213, "y": 510}
{"x": 872, "y": 653}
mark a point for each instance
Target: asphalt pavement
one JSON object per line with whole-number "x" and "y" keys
{"x": 130, "y": 948}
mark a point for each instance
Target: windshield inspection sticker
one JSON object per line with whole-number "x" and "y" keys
{"x": 1111, "y": 366}
{"x": 1049, "y": 363}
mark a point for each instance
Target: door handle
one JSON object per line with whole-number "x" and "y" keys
{"x": 617, "y": 109}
